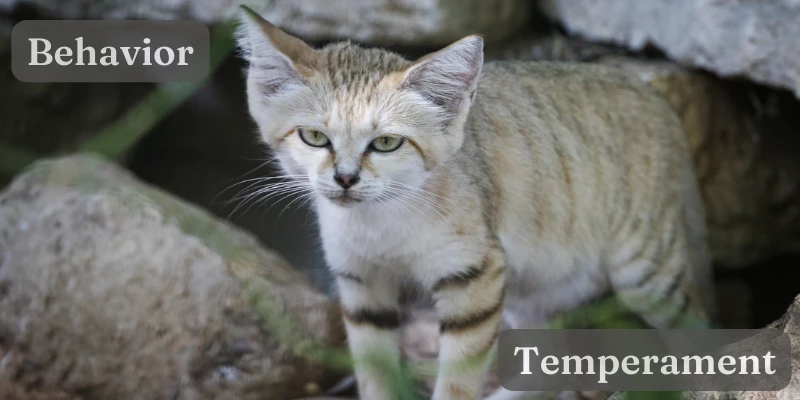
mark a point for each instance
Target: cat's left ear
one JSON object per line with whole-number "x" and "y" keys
{"x": 450, "y": 76}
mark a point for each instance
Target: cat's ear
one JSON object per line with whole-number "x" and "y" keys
{"x": 450, "y": 76}
{"x": 276, "y": 58}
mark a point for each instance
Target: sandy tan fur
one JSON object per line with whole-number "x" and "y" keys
{"x": 523, "y": 191}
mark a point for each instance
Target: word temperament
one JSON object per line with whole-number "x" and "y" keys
{"x": 108, "y": 55}
{"x": 633, "y": 365}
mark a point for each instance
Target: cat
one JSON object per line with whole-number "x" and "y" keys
{"x": 511, "y": 192}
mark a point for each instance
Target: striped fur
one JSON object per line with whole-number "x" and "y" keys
{"x": 521, "y": 191}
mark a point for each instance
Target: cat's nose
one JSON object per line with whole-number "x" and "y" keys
{"x": 346, "y": 180}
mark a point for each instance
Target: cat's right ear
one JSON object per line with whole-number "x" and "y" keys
{"x": 276, "y": 58}
{"x": 449, "y": 77}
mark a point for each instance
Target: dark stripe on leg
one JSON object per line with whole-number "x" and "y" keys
{"x": 673, "y": 286}
{"x": 469, "y": 321}
{"x": 350, "y": 277}
{"x": 461, "y": 278}
{"x": 381, "y": 319}
{"x": 648, "y": 276}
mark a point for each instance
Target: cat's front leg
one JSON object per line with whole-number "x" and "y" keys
{"x": 371, "y": 310}
{"x": 469, "y": 303}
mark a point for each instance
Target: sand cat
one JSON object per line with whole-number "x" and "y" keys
{"x": 511, "y": 190}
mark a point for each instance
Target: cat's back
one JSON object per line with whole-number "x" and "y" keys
{"x": 571, "y": 151}
{"x": 568, "y": 124}
{"x": 574, "y": 94}
{"x": 579, "y": 107}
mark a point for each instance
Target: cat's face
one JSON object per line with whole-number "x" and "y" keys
{"x": 358, "y": 125}
{"x": 353, "y": 147}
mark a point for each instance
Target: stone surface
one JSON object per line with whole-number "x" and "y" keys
{"x": 742, "y": 137}
{"x": 789, "y": 323}
{"x": 550, "y": 47}
{"x": 396, "y": 22}
{"x": 206, "y": 152}
{"x": 750, "y": 38}
{"x": 9, "y": 390}
{"x": 112, "y": 289}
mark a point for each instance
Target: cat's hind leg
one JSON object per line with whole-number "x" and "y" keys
{"x": 665, "y": 279}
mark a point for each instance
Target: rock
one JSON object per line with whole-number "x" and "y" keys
{"x": 186, "y": 155}
{"x": 789, "y": 323}
{"x": 742, "y": 137}
{"x": 396, "y": 22}
{"x": 551, "y": 47}
{"x": 747, "y": 38}
{"x": 10, "y": 390}
{"x": 112, "y": 289}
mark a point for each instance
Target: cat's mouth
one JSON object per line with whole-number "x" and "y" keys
{"x": 344, "y": 198}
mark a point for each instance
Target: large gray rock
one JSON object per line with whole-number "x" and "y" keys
{"x": 751, "y": 38}
{"x": 111, "y": 289}
{"x": 789, "y": 323}
{"x": 397, "y": 22}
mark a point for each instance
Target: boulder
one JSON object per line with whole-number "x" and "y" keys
{"x": 789, "y": 323}
{"x": 112, "y": 289}
{"x": 551, "y": 47}
{"x": 396, "y": 22}
{"x": 745, "y": 38}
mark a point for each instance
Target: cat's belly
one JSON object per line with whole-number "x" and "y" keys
{"x": 547, "y": 278}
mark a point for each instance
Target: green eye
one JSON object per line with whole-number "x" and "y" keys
{"x": 387, "y": 144}
{"x": 313, "y": 138}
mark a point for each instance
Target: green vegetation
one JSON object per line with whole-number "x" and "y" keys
{"x": 114, "y": 140}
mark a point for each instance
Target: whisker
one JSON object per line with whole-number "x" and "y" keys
{"x": 262, "y": 164}
{"x": 280, "y": 189}
{"x": 261, "y": 190}
{"x": 301, "y": 197}
{"x": 285, "y": 196}
{"x": 256, "y": 181}
{"x": 422, "y": 195}
{"x": 411, "y": 196}
{"x": 413, "y": 206}
{"x": 418, "y": 189}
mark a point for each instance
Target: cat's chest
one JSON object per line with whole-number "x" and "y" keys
{"x": 380, "y": 240}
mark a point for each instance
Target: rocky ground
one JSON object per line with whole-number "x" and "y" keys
{"x": 164, "y": 289}
{"x": 13, "y": 387}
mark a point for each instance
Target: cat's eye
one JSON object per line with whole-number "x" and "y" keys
{"x": 386, "y": 144}
{"x": 314, "y": 138}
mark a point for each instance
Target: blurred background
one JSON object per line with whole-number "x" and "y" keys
{"x": 731, "y": 70}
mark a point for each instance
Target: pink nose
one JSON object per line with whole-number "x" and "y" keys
{"x": 346, "y": 180}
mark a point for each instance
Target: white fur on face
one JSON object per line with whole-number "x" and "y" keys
{"x": 351, "y": 127}
{"x": 354, "y": 96}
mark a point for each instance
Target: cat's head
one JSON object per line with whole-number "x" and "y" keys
{"x": 358, "y": 125}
